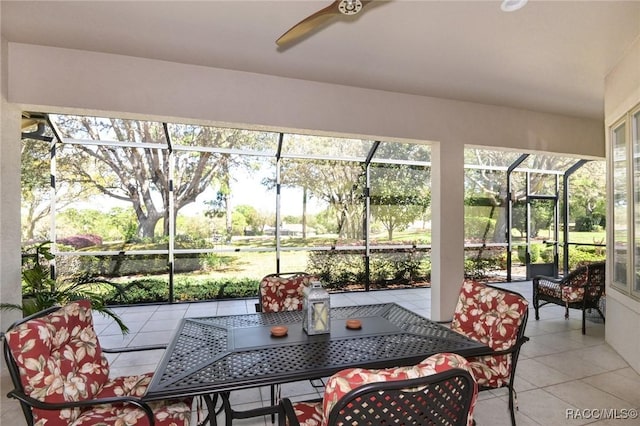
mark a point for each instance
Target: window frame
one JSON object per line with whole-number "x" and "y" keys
{"x": 630, "y": 122}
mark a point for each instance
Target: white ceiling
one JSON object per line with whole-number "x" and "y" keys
{"x": 549, "y": 56}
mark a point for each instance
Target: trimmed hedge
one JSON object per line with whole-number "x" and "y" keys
{"x": 339, "y": 270}
{"x": 153, "y": 290}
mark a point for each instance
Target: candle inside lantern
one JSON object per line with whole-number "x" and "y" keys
{"x": 315, "y": 309}
{"x": 320, "y": 315}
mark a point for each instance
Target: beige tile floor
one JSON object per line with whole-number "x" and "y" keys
{"x": 562, "y": 377}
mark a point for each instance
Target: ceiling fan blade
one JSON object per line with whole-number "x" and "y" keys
{"x": 338, "y": 7}
{"x": 309, "y": 23}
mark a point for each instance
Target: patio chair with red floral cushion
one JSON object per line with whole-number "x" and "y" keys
{"x": 581, "y": 289}
{"x": 497, "y": 318}
{"x": 283, "y": 291}
{"x": 440, "y": 390}
{"x": 61, "y": 376}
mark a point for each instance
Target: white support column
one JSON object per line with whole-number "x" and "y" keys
{"x": 447, "y": 227}
{"x": 10, "y": 284}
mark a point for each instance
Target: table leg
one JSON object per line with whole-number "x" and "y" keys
{"x": 231, "y": 414}
{"x": 228, "y": 412}
{"x": 211, "y": 401}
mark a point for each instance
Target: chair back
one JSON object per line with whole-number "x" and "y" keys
{"x": 585, "y": 283}
{"x": 439, "y": 391}
{"x": 283, "y": 291}
{"x": 595, "y": 283}
{"x": 54, "y": 356}
{"x": 496, "y": 317}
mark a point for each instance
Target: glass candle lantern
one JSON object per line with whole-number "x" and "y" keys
{"x": 316, "y": 318}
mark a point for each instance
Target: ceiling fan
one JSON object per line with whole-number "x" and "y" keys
{"x": 350, "y": 8}
{"x": 337, "y": 8}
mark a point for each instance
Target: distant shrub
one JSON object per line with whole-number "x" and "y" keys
{"x": 339, "y": 269}
{"x": 534, "y": 252}
{"x": 582, "y": 255}
{"x": 480, "y": 262}
{"x": 81, "y": 241}
{"x": 585, "y": 224}
{"x": 478, "y": 228}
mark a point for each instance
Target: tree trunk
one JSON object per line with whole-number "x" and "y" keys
{"x": 147, "y": 226}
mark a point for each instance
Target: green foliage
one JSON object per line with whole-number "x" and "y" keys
{"x": 119, "y": 265}
{"x": 337, "y": 269}
{"x": 547, "y": 254}
{"x": 581, "y": 255}
{"x": 479, "y": 262}
{"x": 478, "y": 228}
{"x": 541, "y": 217}
{"x": 253, "y": 218}
{"x": 153, "y": 290}
{"x": 238, "y": 223}
{"x": 588, "y": 197}
{"x": 399, "y": 195}
{"x": 40, "y": 291}
{"x": 534, "y": 250}
{"x": 534, "y": 253}
{"x": 585, "y": 224}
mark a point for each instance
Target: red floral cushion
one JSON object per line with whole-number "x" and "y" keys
{"x": 60, "y": 359}
{"x": 283, "y": 293}
{"x": 166, "y": 413}
{"x": 493, "y": 317}
{"x": 308, "y": 413}
{"x": 550, "y": 289}
{"x": 572, "y": 294}
{"x": 313, "y": 414}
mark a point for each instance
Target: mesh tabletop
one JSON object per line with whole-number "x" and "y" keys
{"x": 220, "y": 354}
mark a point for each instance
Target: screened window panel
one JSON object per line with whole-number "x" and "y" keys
{"x": 542, "y": 184}
{"x": 116, "y": 193}
{"x": 235, "y": 202}
{"x": 324, "y": 199}
{"x": 223, "y": 139}
{"x": 36, "y": 194}
{"x": 400, "y": 200}
{"x": 635, "y": 135}
{"x": 325, "y": 147}
{"x": 294, "y": 260}
{"x": 413, "y": 152}
{"x": 485, "y": 206}
{"x": 489, "y": 158}
{"x": 620, "y": 205}
{"x": 104, "y": 129}
{"x": 545, "y": 162}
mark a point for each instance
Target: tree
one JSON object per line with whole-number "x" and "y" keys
{"x": 36, "y": 193}
{"x": 338, "y": 183}
{"x": 400, "y": 194}
{"x": 36, "y": 188}
{"x": 587, "y": 193}
{"x": 253, "y": 218}
{"x": 141, "y": 175}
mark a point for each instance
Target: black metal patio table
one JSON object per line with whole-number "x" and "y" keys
{"x": 213, "y": 356}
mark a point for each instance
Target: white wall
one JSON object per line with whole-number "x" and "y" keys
{"x": 87, "y": 80}
{"x": 622, "y": 93}
{"x": 64, "y": 80}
